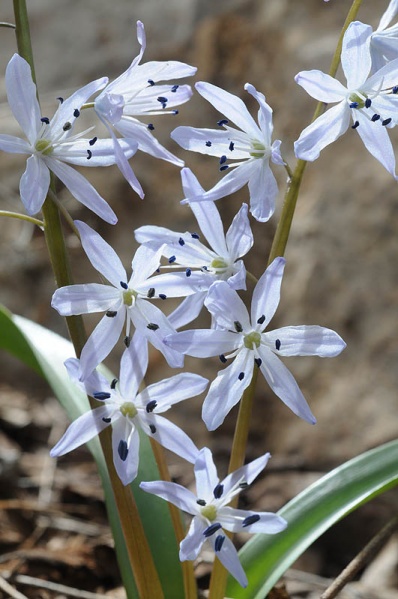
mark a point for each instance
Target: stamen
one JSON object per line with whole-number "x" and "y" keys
{"x": 210, "y": 530}
{"x": 218, "y": 491}
{"x": 151, "y": 82}
{"x": 395, "y": 89}
{"x": 223, "y": 159}
{"x": 375, "y": 118}
{"x": 113, "y": 384}
{"x": 175, "y": 111}
{"x": 101, "y": 395}
{"x": 278, "y": 344}
{"x": 223, "y": 359}
{"x": 172, "y": 259}
{"x": 151, "y": 127}
{"x": 250, "y": 520}
{"x": 45, "y": 120}
{"x": 163, "y": 101}
{"x": 243, "y": 484}
{"x": 151, "y": 405}
{"x": 188, "y": 272}
{"x": 92, "y": 141}
{"x": 208, "y": 144}
{"x": 127, "y": 341}
{"x": 261, "y": 319}
{"x": 238, "y": 326}
{"x": 195, "y": 235}
{"x": 162, "y": 296}
{"x": 241, "y": 376}
{"x": 355, "y": 125}
{"x": 152, "y": 326}
{"x": 111, "y": 313}
{"x": 76, "y": 113}
{"x": 153, "y": 428}
{"x": 174, "y": 88}
{"x": 223, "y": 168}
{"x": 231, "y": 146}
{"x": 386, "y": 122}
{"x": 89, "y": 154}
{"x": 151, "y": 292}
{"x": 181, "y": 241}
{"x": 61, "y": 100}
{"x": 222, "y": 122}
{"x": 218, "y": 543}
{"x": 107, "y": 420}
{"x": 124, "y": 285}
{"x": 368, "y": 103}
{"x": 122, "y": 450}
{"x": 67, "y": 126}
{"x": 258, "y": 361}
{"x": 201, "y": 502}
{"x": 354, "y": 105}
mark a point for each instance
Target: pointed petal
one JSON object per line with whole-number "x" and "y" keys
{"x": 101, "y": 342}
{"x": 264, "y": 113}
{"x": 177, "y": 284}
{"x": 321, "y": 86}
{"x": 267, "y": 293}
{"x": 14, "y": 145}
{"x": 203, "y": 343}
{"x": 305, "y": 341}
{"x": 233, "y": 519}
{"x": 228, "y": 556}
{"x": 322, "y": 132}
{"x": 83, "y": 429}
{"x": 176, "y": 494}
{"x": 205, "y": 474}
{"x": 172, "y": 437}
{"x": 377, "y": 142}
{"x": 101, "y": 255}
{"x": 263, "y": 190}
{"x": 94, "y": 383}
{"x": 388, "y": 15}
{"x": 283, "y": 384}
{"x": 239, "y": 236}
{"x": 34, "y": 184}
{"x": 170, "y": 391}
{"x": 227, "y": 389}
{"x": 85, "y": 299}
{"x": 355, "y": 56}
{"x": 227, "y": 307}
{"x": 210, "y": 223}
{"x": 235, "y": 179}
{"x": 133, "y": 366}
{"x": 211, "y": 142}
{"x": 82, "y": 190}
{"x": 192, "y": 544}
{"x": 129, "y": 127}
{"x": 188, "y": 310}
{"x": 145, "y": 262}
{"x": 21, "y": 93}
{"x": 247, "y": 473}
{"x": 126, "y": 466}
{"x": 102, "y": 152}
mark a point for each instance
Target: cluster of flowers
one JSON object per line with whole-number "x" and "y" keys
{"x": 207, "y": 276}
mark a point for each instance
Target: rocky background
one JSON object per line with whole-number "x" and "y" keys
{"x": 341, "y": 269}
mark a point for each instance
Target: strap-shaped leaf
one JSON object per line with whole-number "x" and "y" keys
{"x": 265, "y": 558}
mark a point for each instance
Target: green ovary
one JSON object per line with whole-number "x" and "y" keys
{"x": 252, "y": 339}
{"x": 360, "y": 101}
{"x": 129, "y": 296}
{"x": 128, "y": 409}
{"x": 256, "y": 145}
{"x": 209, "y": 512}
{"x": 219, "y": 264}
{"x": 44, "y": 147}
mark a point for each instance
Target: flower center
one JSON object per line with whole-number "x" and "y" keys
{"x": 44, "y": 146}
{"x": 129, "y": 297}
{"x": 209, "y": 512}
{"x": 218, "y": 265}
{"x": 252, "y": 340}
{"x": 128, "y": 409}
{"x": 357, "y": 99}
{"x": 259, "y": 149}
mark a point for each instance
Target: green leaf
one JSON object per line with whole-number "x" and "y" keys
{"x": 45, "y": 352}
{"x": 265, "y": 558}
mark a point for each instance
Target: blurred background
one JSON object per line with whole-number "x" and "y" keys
{"x": 341, "y": 265}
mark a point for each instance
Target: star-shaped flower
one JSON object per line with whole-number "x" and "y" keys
{"x": 211, "y": 513}
{"x": 135, "y": 93}
{"x": 128, "y": 411}
{"x": 384, "y": 40}
{"x": 125, "y": 301}
{"x": 248, "y": 343}
{"x": 371, "y": 102}
{"x": 202, "y": 265}
{"x": 251, "y": 146}
{"x": 51, "y": 144}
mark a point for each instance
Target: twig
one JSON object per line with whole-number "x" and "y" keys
{"x": 360, "y": 560}
{"x": 58, "y": 588}
{"x": 5, "y": 586}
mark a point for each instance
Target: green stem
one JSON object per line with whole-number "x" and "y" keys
{"x": 219, "y": 574}
{"x": 29, "y": 219}
{"x": 142, "y": 564}
{"x": 7, "y": 25}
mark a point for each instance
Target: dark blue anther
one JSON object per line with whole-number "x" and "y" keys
{"x": 89, "y": 154}
{"x": 241, "y": 376}
{"x": 386, "y": 122}
{"x": 151, "y": 82}
{"x": 127, "y": 341}
{"x": 231, "y": 146}
{"x": 151, "y": 292}
{"x": 174, "y": 88}
{"x": 375, "y": 118}
{"x": 201, "y": 502}
{"x": 151, "y": 405}
{"x": 251, "y": 520}
{"x": 278, "y": 344}
{"x": 67, "y": 126}
{"x": 61, "y": 100}
{"x": 208, "y": 144}
{"x": 122, "y": 450}
{"x": 354, "y": 105}
{"x": 223, "y": 159}
{"x": 223, "y": 167}
{"x": 218, "y": 491}
{"x": 188, "y": 272}
{"x": 101, "y": 395}
{"x": 223, "y": 359}
{"x": 162, "y": 100}
{"x": 151, "y": 127}
{"x": 175, "y": 111}
{"x": 152, "y": 428}
{"x": 152, "y": 326}
{"x": 210, "y": 530}
{"x": 107, "y": 420}
{"x": 162, "y": 296}
{"x": 111, "y": 313}
{"x": 355, "y": 125}
{"x": 258, "y": 361}
{"x": 172, "y": 259}
{"x": 222, "y": 122}
{"x": 76, "y": 113}
{"x": 92, "y": 141}
{"x": 238, "y": 326}
{"x": 395, "y": 89}
{"x": 124, "y": 285}
{"x": 195, "y": 235}
{"x": 368, "y": 103}
{"x": 181, "y": 241}
{"x": 243, "y": 484}
{"x": 218, "y": 543}
{"x": 113, "y": 384}
{"x": 261, "y": 319}
{"x": 45, "y": 120}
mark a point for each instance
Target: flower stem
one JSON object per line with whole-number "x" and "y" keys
{"x": 142, "y": 564}
{"x": 29, "y": 219}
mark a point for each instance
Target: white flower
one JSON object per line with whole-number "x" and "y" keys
{"x": 371, "y": 102}
{"x": 250, "y": 345}
{"x": 51, "y": 143}
{"x": 135, "y": 93}
{"x": 384, "y": 41}
{"x": 202, "y": 265}
{"x": 251, "y": 146}
{"x": 211, "y": 513}
{"x": 128, "y": 410}
{"x": 124, "y": 301}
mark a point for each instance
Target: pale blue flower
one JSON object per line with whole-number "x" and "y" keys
{"x": 243, "y": 338}
{"x": 384, "y": 40}
{"x": 135, "y": 93}
{"x": 251, "y": 147}
{"x": 128, "y": 410}
{"x": 51, "y": 145}
{"x": 211, "y": 513}
{"x": 371, "y": 102}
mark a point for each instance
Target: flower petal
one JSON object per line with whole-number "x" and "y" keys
{"x": 233, "y": 520}
{"x": 321, "y": 86}
{"x": 129, "y": 127}
{"x": 228, "y": 556}
{"x": 263, "y": 190}
{"x": 126, "y": 460}
{"x": 205, "y": 474}
{"x": 247, "y": 473}
{"x": 227, "y": 307}
{"x": 85, "y": 299}
{"x": 34, "y": 184}
{"x": 101, "y": 342}
{"x": 172, "y": 437}
{"x": 21, "y": 93}
{"x": 203, "y": 343}
{"x": 133, "y": 366}
{"x": 172, "y": 390}
{"x": 188, "y": 310}
{"x": 192, "y": 544}
{"x": 377, "y": 142}
{"x": 176, "y": 494}
{"x": 14, "y": 145}
{"x": 355, "y": 56}
{"x": 83, "y": 429}
{"x": 239, "y": 237}
{"x": 267, "y": 293}
{"x": 305, "y": 341}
